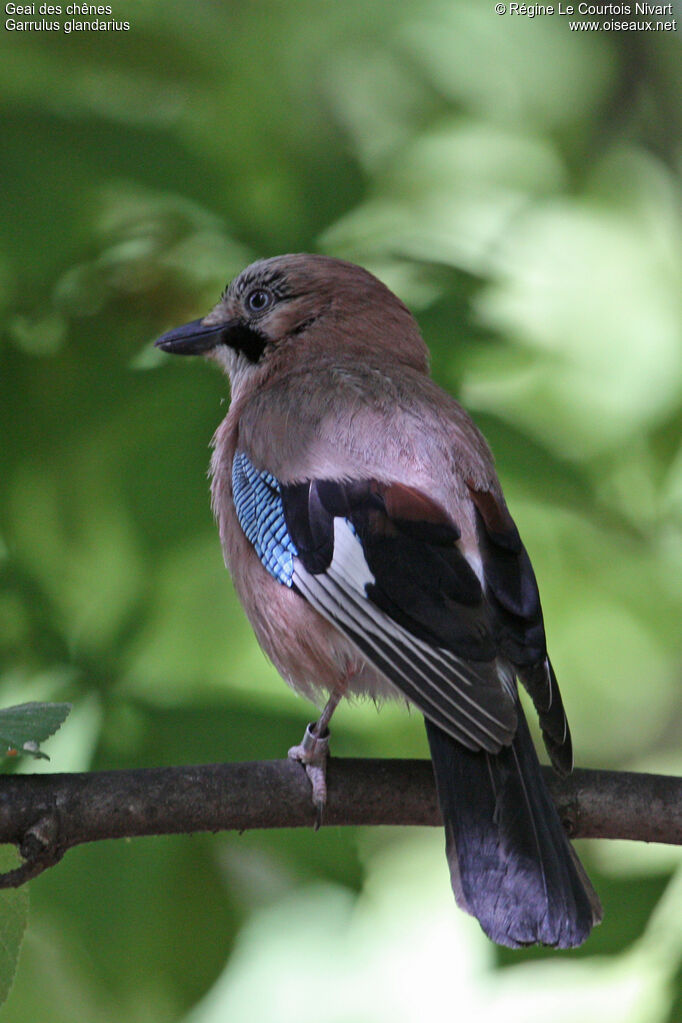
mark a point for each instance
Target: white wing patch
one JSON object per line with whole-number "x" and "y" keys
{"x": 469, "y": 704}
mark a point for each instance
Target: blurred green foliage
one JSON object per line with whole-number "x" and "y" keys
{"x": 13, "y": 919}
{"x": 518, "y": 185}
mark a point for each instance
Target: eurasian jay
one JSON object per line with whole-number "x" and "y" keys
{"x": 369, "y": 541}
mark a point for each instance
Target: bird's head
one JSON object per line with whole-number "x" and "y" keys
{"x": 296, "y": 306}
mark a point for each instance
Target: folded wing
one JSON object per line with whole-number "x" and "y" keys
{"x": 383, "y": 563}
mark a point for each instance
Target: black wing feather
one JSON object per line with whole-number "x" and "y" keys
{"x": 514, "y": 598}
{"x": 440, "y": 650}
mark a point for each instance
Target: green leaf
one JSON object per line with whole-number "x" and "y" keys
{"x": 24, "y": 726}
{"x": 13, "y": 920}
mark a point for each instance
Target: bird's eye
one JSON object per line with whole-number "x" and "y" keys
{"x": 258, "y": 300}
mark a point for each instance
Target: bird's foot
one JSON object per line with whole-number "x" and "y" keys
{"x": 313, "y": 753}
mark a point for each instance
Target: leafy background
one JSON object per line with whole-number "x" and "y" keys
{"x": 518, "y": 185}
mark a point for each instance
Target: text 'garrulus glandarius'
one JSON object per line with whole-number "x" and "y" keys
{"x": 370, "y": 544}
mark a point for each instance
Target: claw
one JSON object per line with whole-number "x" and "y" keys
{"x": 313, "y": 752}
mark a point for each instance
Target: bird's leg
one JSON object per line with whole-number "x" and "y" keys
{"x": 313, "y": 751}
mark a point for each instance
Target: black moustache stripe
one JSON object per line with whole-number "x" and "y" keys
{"x": 247, "y": 340}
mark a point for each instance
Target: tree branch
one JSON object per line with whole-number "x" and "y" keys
{"x": 47, "y": 814}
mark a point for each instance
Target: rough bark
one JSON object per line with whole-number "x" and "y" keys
{"x": 44, "y": 815}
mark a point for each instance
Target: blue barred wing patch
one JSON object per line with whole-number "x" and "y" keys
{"x": 258, "y": 503}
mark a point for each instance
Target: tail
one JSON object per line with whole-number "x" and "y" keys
{"x": 511, "y": 864}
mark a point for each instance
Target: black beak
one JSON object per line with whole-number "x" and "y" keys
{"x": 193, "y": 338}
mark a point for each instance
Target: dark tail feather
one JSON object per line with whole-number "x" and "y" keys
{"x": 511, "y": 864}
